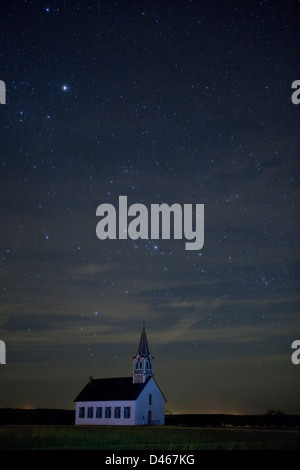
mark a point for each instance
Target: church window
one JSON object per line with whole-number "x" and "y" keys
{"x": 117, "y": 412}
{"x": 137, "y": 365}
{"x": 127, "y": 412}
{"x": 108, "y": 412}
{"x": 81, "y": 412}
{"x": 99, "y": 412}
{"x": 141, "y": 365}
{"x": 90, "y": 412}
{"x": 150, "y": 399}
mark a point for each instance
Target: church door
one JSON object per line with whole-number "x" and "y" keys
{"x": 149, "y": 416}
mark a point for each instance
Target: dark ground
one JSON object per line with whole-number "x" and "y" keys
{"x": 67, "y": 417}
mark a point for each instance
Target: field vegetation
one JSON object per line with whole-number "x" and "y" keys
{"x": 50, "y": 437}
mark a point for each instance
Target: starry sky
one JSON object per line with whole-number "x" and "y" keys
{"x": 169, "y": 101}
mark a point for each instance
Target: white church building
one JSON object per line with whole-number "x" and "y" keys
{"x": 133, "y": 400}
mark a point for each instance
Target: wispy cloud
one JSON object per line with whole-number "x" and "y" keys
{"x": 89, "y": 269}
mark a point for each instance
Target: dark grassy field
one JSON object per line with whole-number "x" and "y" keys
{"x": 18, "y": 437}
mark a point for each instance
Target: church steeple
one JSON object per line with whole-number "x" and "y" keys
{"x": 143, "y": 349}
{"x": 142, "y": 361}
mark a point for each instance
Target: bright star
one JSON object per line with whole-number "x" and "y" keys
{"x": 65, "y": 87}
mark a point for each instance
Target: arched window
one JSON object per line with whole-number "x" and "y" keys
{"x": 137, "y": 365}
{"x": 141, "y": 365}
{"x": 150, "y": 365}
{"x": 150, "y": 399}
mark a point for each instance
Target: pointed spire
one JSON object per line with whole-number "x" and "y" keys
{"x": 142, "y": 361}
{"x": 143, "y": 349}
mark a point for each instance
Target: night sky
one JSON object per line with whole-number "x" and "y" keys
{"x": 184, "y": 102}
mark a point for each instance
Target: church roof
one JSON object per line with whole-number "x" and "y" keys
{"x": 143, "y": 349}
{"x": 113, "y": 389}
